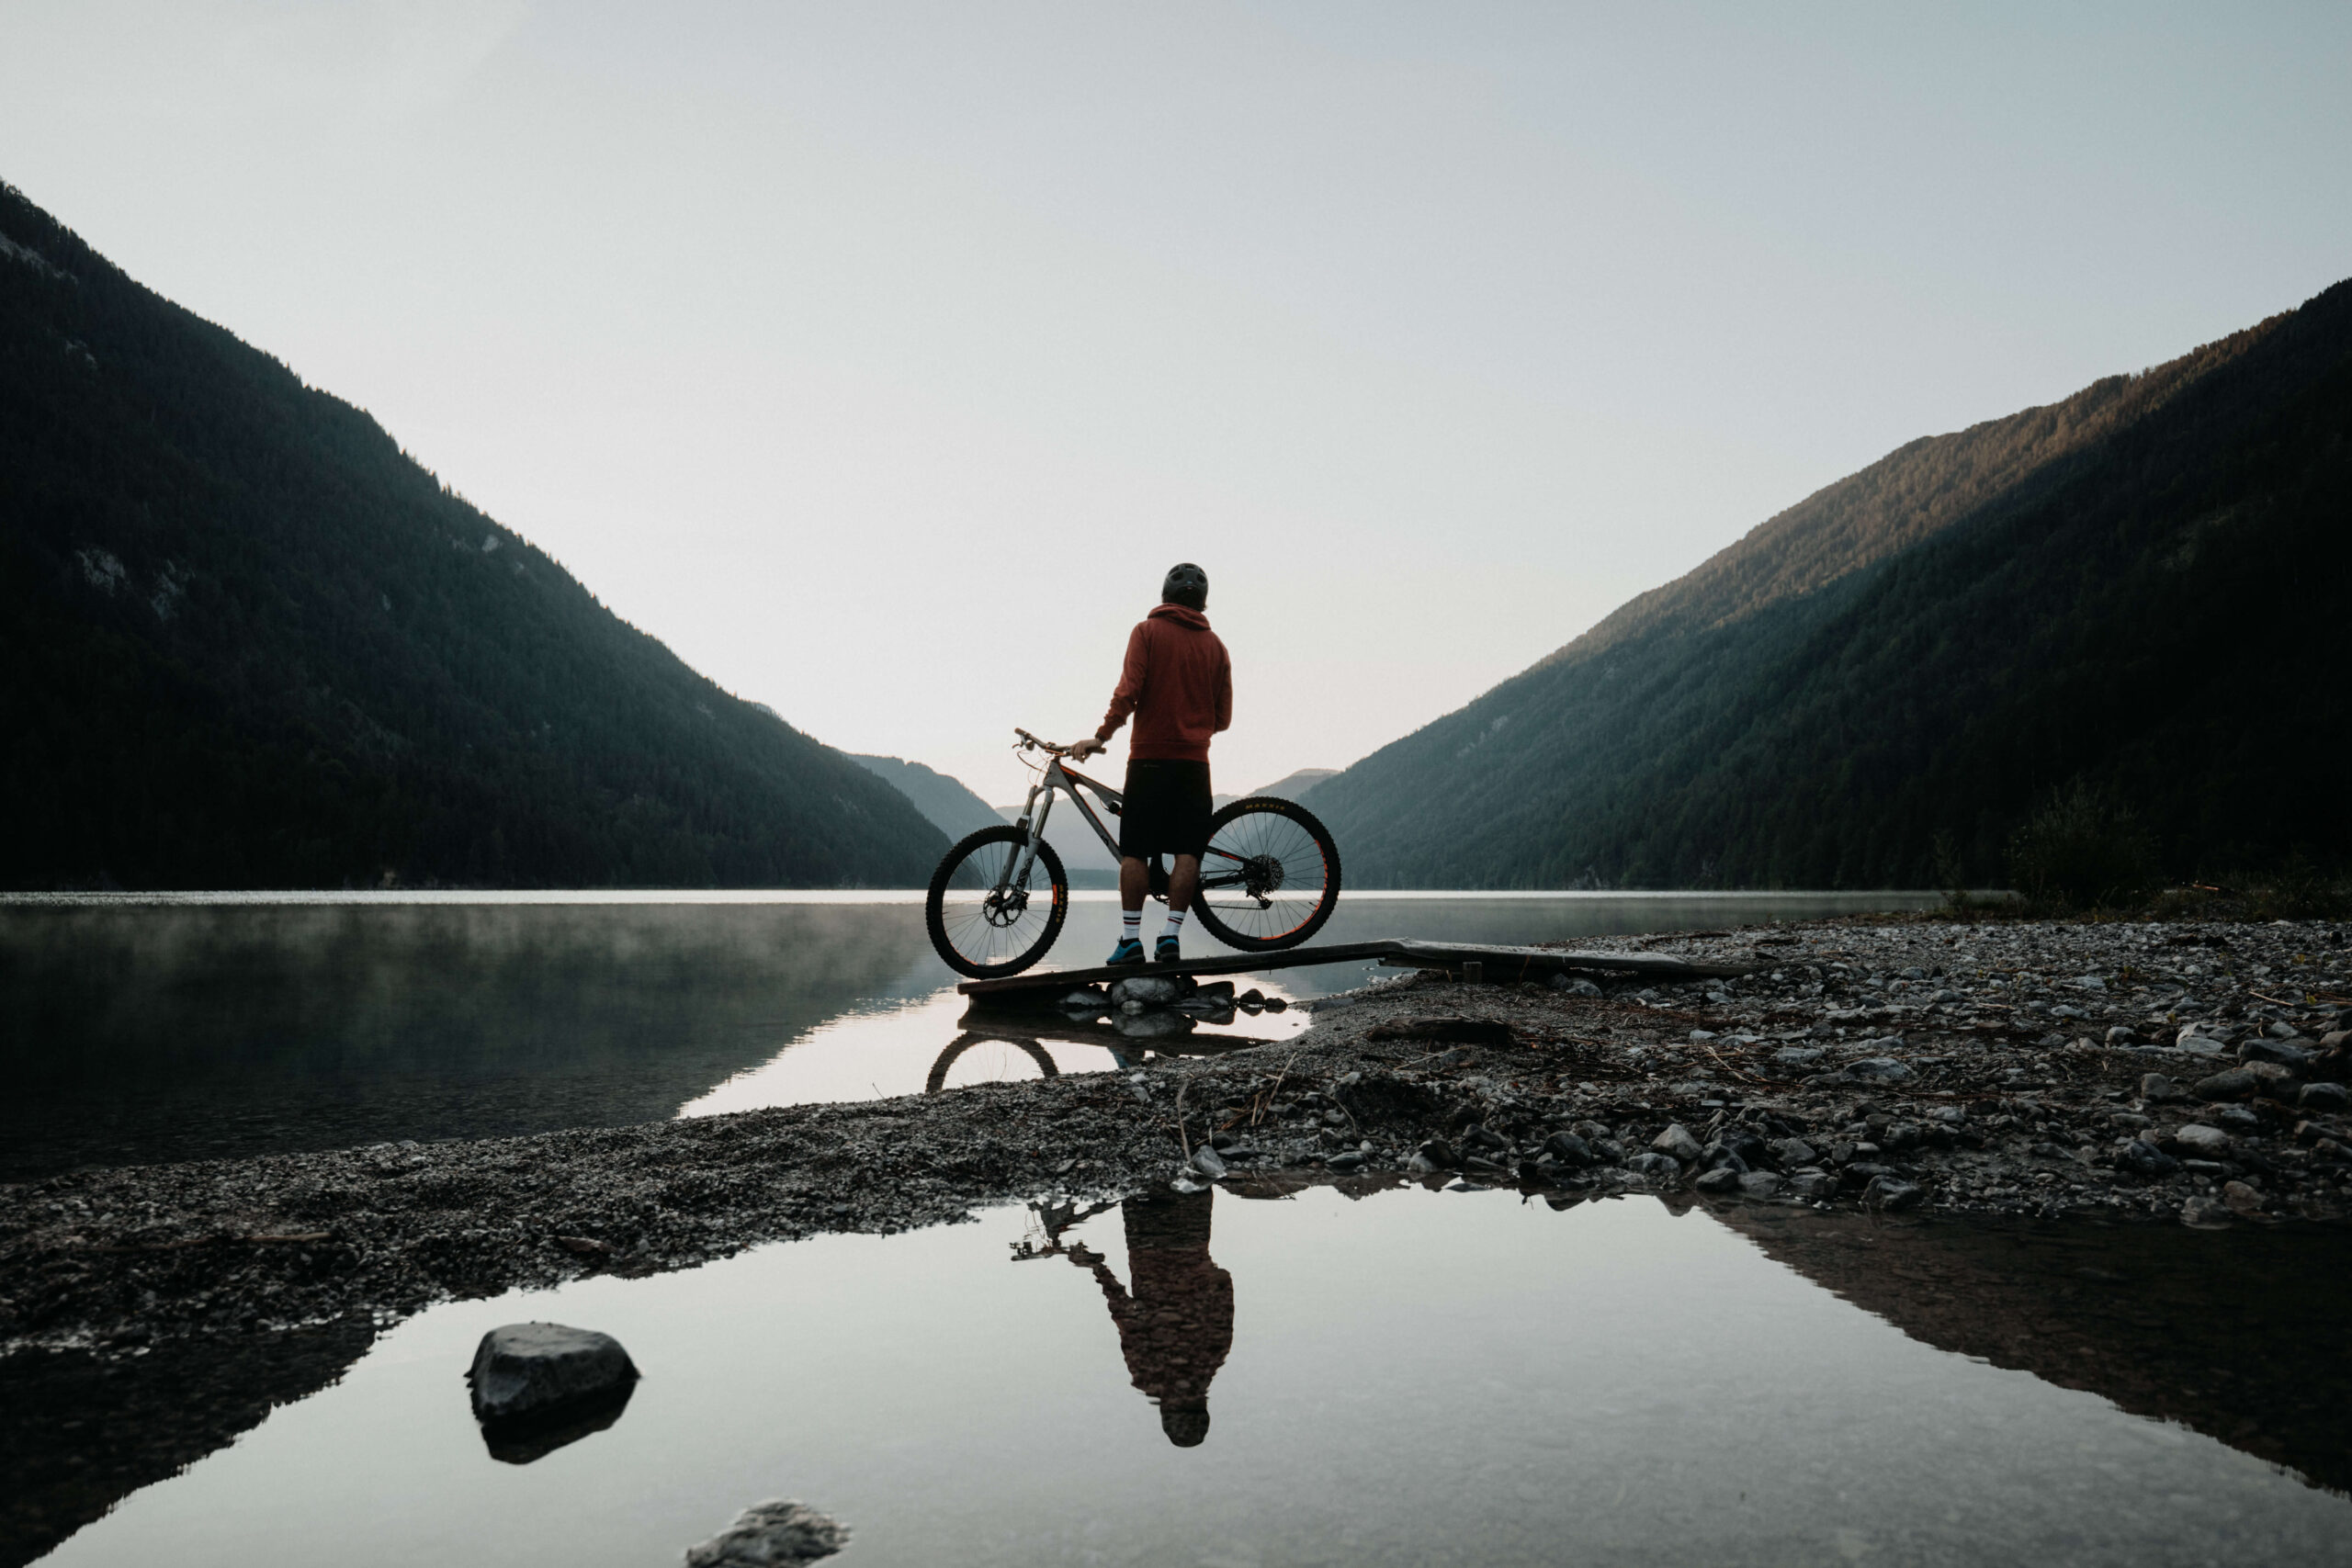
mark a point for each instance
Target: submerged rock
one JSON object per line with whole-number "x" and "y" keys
{"x": 539, "y": 1370}
{"x": 1893, "y": 1193}
{"x": 774, "y": 1534}
{"x": 2205, "y": 1213}
{"x": 2241, "y": 1199}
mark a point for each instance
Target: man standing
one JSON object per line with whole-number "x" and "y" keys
{"x": 1178, "y": 682}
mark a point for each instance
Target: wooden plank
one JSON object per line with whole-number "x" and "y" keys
{"x": 1509, "y": 963}
{"x": 1497, "y": 964}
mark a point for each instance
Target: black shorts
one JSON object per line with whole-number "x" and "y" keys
{"x": 1168, "y": 809}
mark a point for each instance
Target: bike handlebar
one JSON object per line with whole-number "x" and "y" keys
{"x": 1029, "y": 740}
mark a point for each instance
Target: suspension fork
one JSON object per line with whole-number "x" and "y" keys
{"x": 1017, "y": 871}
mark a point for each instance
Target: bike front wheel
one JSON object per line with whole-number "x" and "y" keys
{"x": 984, "y": 924}
{"x": 1271, "y": 878}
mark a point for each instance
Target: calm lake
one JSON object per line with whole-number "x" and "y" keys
{"x": 144, "y": 1030}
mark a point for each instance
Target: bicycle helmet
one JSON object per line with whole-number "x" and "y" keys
{"x": 1186, "y": 584}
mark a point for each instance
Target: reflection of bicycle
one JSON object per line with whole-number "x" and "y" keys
{"x": 1269, "y": 880}
{"x": 1126, "y": 1051}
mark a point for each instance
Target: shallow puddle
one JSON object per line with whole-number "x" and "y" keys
{"x": 1406, "y": 1377}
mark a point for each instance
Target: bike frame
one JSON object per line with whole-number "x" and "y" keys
{"x": 1058, "y": 777}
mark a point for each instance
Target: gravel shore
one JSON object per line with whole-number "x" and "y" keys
{"x": 2177, "y": 1071}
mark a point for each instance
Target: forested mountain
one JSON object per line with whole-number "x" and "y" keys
{"x": 945, "y": 804}
{"x": 249, "y": 643}
{"x": 2139, "y": 590}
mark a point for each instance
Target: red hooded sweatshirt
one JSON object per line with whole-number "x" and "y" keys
{"x": 1178, "y": 682}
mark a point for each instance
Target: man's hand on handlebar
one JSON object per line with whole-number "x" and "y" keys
{"x": 1086, "y": 747}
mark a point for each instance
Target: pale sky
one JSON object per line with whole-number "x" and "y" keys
{"x": 880, "y": 357}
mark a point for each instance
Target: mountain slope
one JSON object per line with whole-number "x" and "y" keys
{"x": 249, "y": 643}
{"x": 945, "y": 804}
{"x": 2137, "y": 588}
{"x": 1290, "y": 786}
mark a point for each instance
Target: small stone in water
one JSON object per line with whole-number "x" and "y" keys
{"x": 525, "y": 1369}
{"x": 774, "y": 1534}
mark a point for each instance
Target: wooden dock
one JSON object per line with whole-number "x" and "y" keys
{"x": 1466, "y": 961}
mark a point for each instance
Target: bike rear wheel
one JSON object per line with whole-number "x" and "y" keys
{"x": 1271, "y": 878}
{"x": 982, "y": 924}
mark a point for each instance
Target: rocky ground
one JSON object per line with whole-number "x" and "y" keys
{"x": 2179, "y": 1071}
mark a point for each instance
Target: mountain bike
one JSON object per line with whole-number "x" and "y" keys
{"x": 1269, "y": 880}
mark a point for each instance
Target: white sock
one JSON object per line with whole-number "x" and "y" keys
{"x": 1131, "y": 925}
{"x": 1175, "y": 922}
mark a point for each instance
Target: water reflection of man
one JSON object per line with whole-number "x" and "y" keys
{"x": 1176, "y": 1324}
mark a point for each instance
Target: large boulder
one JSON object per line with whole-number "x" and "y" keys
{"x": 539, "y": 1371}
{"x": 1152, "y": 990}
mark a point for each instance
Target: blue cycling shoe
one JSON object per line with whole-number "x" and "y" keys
{"x": 1169, "y": 951}
{"x": 1129, "y": 951}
